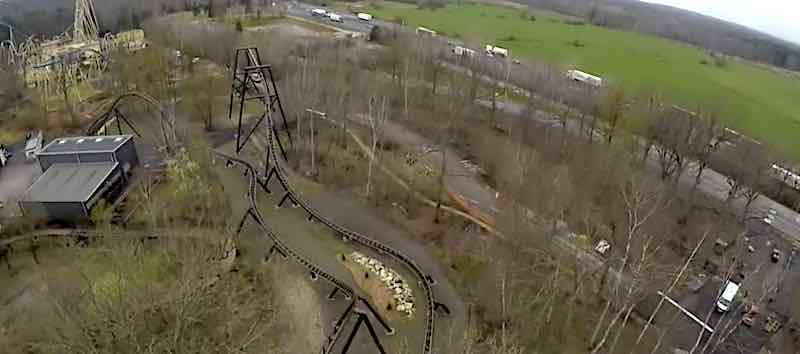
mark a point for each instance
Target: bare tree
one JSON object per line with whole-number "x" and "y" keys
{"x": 377, "y": 118}
{"x": 746, "y": 168}
{"x": 641, "y": 201}
{"x": 667, "y": 292}
{"x": 202, "y": 92}
{"x": 708, "y": 142}
{"x": 612, "y": 111}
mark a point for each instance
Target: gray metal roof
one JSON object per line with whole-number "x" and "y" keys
{"x": 103, "y": 143}
{"x": 69, "y": 182}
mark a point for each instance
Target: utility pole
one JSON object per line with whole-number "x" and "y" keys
{"x": 313, "y": 113}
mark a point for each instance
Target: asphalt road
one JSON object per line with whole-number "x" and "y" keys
{"x": 16, "y": 176}
{"x": 349, "y": 21}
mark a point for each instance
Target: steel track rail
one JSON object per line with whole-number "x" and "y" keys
{"x": 351, "y": 235}
{"x": 255, "y": 213}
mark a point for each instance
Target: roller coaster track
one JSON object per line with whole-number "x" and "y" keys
{"x": 271, "y": 101}
{"x": 255, "y": 214}
{"x": 112, "y": 112}
{"x": 347, "y": 234}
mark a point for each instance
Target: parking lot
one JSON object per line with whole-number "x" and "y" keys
{"x": 768, "y": 283}
{"x": 15, "y": 178}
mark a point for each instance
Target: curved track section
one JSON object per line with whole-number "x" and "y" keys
{"x": 351, "y": 235}
{"x": 255, "y": 213}
{"x": 112, "y": 112}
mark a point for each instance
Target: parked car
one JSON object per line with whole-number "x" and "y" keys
{"x": 726, "y": 299}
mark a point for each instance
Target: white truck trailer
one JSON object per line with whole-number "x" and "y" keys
{"x": 461, "y": 51}
{"x": 319, "y": 12}
{"x": 580, "y": 76}
{"x": 495, "y": 50}
{"x": 426, "y": 31}
{"x": 364, "y": 16}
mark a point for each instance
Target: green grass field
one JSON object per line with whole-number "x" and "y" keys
{"x": 760, "y": 102}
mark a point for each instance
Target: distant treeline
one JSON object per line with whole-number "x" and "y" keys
{"x": 681, "y": 25}
{"x": 46, "y": 18}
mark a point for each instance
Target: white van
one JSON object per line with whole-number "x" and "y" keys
{"x": 336, "y": 18}
{"x": 726, "y": 299}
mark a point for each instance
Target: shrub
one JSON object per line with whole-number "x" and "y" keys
{"x": 576, "y": 43}
{"x": 720, "y": 61}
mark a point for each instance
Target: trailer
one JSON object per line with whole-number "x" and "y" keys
{"x": 462, "y": 51}
{"x": 319, "y": 12}
{"x": 426, "y": 31}
{"x": 586, "y": 78}
{"x": 336, "y": 18}
{"x": 364, "y": 16}
{"x": 495, "y": 50}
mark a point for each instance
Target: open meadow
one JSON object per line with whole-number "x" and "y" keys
{"x": 758, "y": 101}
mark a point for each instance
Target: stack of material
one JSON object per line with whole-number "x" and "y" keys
{"x": 402, "y": 298}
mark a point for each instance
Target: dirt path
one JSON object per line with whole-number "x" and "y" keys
{"x": 462, "y": 178}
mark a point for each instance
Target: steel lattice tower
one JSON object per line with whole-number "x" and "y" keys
{"x": 85, "y": 27}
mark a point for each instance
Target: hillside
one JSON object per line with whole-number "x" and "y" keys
{"x": 682, "y": 25}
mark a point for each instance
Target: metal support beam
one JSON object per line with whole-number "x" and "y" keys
{"x": 352, "y": 334}
{"x": 285, "y": 196}
{"x": 244, "y": 219}
{"x": 374, "y": 336}
{"x": 389, "y": 330}
{"x": 252, "y": 80}
{"x": 687, "y": 312}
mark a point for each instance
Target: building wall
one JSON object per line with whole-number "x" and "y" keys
{"x": 45, "y": 161}
{"x": 95, "y": 157}
{"x": 127, "y": 154}
{"x": 109, "y": 189}
{"x": 62, "y": 211}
